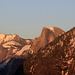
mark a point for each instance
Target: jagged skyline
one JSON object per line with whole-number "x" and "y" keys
{"x": 26, "y": 18}
{"x": 15, "y": 50}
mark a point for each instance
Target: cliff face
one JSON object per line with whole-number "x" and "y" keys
{"x": 56, "y": 58}
{"x": 48, "y": 35}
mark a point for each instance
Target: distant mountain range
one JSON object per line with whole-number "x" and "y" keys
{"x": 48, "y": 54}
{"x": 13, "y": 49}
{"x": 13, "y": 45}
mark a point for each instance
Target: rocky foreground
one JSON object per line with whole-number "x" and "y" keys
{"x": 56, "y": 58}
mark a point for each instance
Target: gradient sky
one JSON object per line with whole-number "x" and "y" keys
{"x": 27, "y": 17}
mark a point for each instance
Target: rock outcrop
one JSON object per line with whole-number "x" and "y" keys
{"x": 13, "y": 44}
{"x": 13, "y": 51}
{"x": 56, "y": 58}
{"x": 48, "y": 35}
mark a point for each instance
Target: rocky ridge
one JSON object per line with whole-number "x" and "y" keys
{"x": 19, "y": 47}
{"x": 48, "y": 35}
{"x": 13, "y": 44}
{"x": 41, "y": 57}
{"x": 56, "y": 58}
{"x": 13, "y": 51}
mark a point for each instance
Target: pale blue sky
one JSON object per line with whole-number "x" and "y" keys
{"x": 27, "y": 17}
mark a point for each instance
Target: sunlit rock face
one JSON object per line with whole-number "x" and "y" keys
{"x": 12, "y": 37}
{"x": 3, "y": 52}
{"x": 13, "y": 51}
{"x": 2, "y": 37}
{"x": 48, "y": 35}
{"x": 14, "y": 45}
{"x": 56, "y": 58}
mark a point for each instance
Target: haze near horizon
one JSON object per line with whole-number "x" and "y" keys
{"x": 27, "y": 17}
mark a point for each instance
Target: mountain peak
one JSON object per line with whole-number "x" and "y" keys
{"x": 48, "y": 34}
{"x": 57, "y": 31}
{"x": 56, "y": 58}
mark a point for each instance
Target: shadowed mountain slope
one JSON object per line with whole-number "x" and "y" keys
{"x": 56, "y": 58}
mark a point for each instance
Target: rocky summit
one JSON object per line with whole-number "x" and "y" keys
{"x": 56, "y": 58}
{"x": 48, "y": 35}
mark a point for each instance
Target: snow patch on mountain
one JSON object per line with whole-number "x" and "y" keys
{"x": 9, "y": 44}
{"x": 25, "y": 48}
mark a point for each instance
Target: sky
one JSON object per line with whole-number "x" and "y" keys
{"x": 27, "y": 17}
